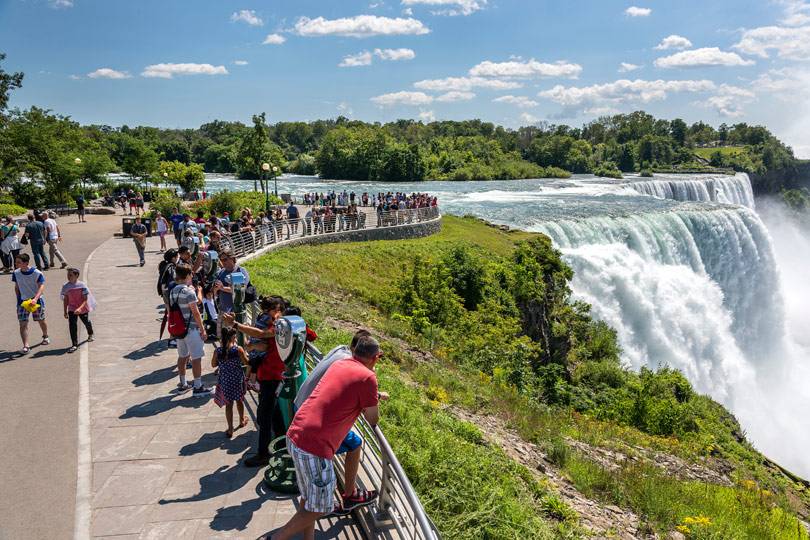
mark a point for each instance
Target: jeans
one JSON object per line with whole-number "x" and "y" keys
{"x": 140, "y": 249}
{"x": 73, "y": 320}
{"x": 268, "y": 417}
{"x": 8, "y": 260}
{"x": 40, "y": 259}
{"x": 54, "y": 251}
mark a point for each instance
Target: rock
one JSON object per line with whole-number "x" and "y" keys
{"x": 675, "y": 535}
{"x": 102, "y": 210}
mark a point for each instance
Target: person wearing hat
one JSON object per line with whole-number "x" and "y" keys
{"x": 54, "y": 237}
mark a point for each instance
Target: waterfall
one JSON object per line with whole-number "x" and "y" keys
{"x": 724, "y": 189}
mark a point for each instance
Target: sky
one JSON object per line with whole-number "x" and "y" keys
{"x": 180, "y": 63}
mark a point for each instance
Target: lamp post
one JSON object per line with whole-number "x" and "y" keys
{"x": 78, "y": 162}
{"x": 265, "y": 168}
{"x": 166, "y": 179}
{"x": 275, "y": 179}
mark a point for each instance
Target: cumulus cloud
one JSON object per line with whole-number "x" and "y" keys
{"x": 395, "y": 55}
{"x": 622, "y": 91}
{"x": 108, "y": 73}
{"x": 626, "y": 67}
{"x": 450, "y": 7}
{"x": 787, "y": 43}
{"x": 519, "y": 101}
{"x": 402, "y": 98}
{"x": 729, "y": 100}
{"x": 356, "y": 60}
{"x": 247, "y": 16}
{"x": 601, "y": 111}
{"x": 516, "y": 69}
{"x": 705, "y": 57}
{"x": 240, "y": 62}
{"x": 427, "y": 116}
{"x": 74, "y": 77}
{"x": 673, "y": 42}
{"x": 529, "y": 118}
{"x": 274, "y": 39}
{"x": 797, "y": 12}
{"x": 784, "y": 84}
{"x": 455, "y": 95}
{"x": 168, "y": 71}
{"x": 360, "y": 26}
{"x": 635, "y": 11}
{"x": 61, "y": 4}
{"x": 465, "y": 84}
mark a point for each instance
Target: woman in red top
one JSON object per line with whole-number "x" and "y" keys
{"x": 270, "y": 375}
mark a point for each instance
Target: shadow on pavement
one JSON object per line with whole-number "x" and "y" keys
{"x": 220, "y": 482}
{"x": 156, "y": 377}
{"x": 163, "y": 404}
{"x": 237, "y": 518}
{"x": 49, "y": 352}
{"x": 217, "y": 439}
{"x": 152, "y": 349}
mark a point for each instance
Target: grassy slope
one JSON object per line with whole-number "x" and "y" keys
{"x": 706, "y": 153}
{"x": 472, "y": 490}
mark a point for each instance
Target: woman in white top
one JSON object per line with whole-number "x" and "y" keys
{"x": 162, "y": 229}
{"x": 11, "y": 246}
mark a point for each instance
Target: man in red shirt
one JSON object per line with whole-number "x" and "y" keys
{"x": 347, "y": 389}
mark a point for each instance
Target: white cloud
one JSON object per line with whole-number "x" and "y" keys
{"x": 356, "y": 60}
{"x": 427, "y": 116}
{"x": 788, "y": 43}
{"x": 61, "y": 4}
{"x": 784, "y": 84}
{"x": 622, "y": 91}
{"x": 601, "y": 111}
{"x": 408, "y": 12}
{"x": 673, "y": 42}
{"x": 635, "y": 11}
{"x": 240, "y": 62}
{"x": 705, "y": 57}
{"x": 729, "y": 100}
{"x": 395, "y": 55}
{"x": 168, "y": 71}
{"x": 450, "y": 7}
{"x": 529, "y": 118}
{"x": 626, "y": 67}
{"x": 465, "y": 84}
{"x": 345, "y": 109}
{"x": 74, "y": 77}
{"x": 455, "y": 95}
{"x": 360, "y": 26}
{"x": 402, "y": 98}
{"x": 247, "y": 16}
{"x": 797, "y": 12}
{"x": 274, "y": 39}
{"x": 519, "y": 101}
{"x": 108, "y": 73}
{"x": 515, "y": 69}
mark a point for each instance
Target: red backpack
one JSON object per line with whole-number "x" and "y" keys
{"x": 177, "y": 325}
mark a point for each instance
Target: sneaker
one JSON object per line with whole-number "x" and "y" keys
{"x": 182, "y": 387}
{"x": 257, "y": 460}
{"x": 46, "y": 340}
{"x": 142, "y": 263}
{"x": 339, "y": 511}
{"x": 64, "y": 265}
{"x": 72, "y": 349}
{"x": 172, "y": 343}
{"x": 90, "y": 338}
{"x": 360, "y": 498}
{"x": 202, "y": 390}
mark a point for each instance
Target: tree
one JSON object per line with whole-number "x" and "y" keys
{"x": 137, "y": 159}
{"x": 186, "y": 177}
{"x": 256, "y": 149}
{"x": 677, "y": 129}
{"x": 8, "y": 82}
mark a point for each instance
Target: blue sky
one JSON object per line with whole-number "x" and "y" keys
{"x": 180, "y": 63}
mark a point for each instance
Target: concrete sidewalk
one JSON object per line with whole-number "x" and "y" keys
{"x": 161, "y": 465}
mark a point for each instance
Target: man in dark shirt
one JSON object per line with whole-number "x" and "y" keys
{"x": 177, "y": 225}
{"x": 138, "y": 234}
{"x": 35, "y": 232}
{"x": 80, "y": 208}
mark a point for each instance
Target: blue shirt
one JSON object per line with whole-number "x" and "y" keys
{"x": 226, "y": 299}
{"x": 176, "y": 220}
{"x": 28, "y": 282}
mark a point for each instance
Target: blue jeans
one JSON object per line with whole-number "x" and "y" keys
{"x": 38, "y": 251}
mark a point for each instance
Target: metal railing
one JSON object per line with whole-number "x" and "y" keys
{"x": 246, "y": 242}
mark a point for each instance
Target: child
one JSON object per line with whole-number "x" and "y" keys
{"x": 78, "y": 303}
{"x": 29, "y": 284}
{"x": 230, "y": 358}
{"x": 209, "y": 311}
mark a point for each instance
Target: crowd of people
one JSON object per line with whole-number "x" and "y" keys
{"x": 197, "y": 282}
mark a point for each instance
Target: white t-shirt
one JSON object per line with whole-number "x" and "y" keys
{"x": 53, "y": 232}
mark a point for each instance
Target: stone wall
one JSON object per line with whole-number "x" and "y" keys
{"x": 399, "y": 232}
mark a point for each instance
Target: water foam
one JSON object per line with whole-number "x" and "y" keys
{"x": 724, "y": 189}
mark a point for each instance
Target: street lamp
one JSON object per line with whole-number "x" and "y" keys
{"x": 275, "y": 178}
{"x": 78, "y": 161}
{"x": 166, "y": 179}
{"x": 265, "y": 168}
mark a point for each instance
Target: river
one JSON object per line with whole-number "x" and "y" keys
{"x": 690, "y": 270}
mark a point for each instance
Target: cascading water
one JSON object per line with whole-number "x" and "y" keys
{"x": 724, "y": 189}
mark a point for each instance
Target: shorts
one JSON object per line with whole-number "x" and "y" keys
{"x": 352, "y": 442}
{"x": 23, "y": 314}
{"x": 192, "y": 345}
{"x": 316, "y": 480}
{"x": 161, "y": 233}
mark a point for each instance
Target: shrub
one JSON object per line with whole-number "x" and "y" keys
{"x": 608, "y": 170}
{"x": 11, "y": 210}
{"x": 165, "y": 202}
{"x": 646, "y": 173}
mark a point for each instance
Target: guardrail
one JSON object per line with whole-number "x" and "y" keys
{"x": 398, "y": 513}
{"x": 249, "y": 241}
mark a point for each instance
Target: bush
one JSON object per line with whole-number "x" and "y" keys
{"x": 304, "y": 164}
{"x": 646, "y": 173}
{"x": 608, "y": 170}
{"x": 234, "y": 201}
{"x": 11, "y": 210}
{"x": 165, "y": 202}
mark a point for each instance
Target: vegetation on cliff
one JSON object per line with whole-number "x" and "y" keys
{"x": 481, "y": 320}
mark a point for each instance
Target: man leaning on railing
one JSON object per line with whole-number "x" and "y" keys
{"x": 346, "y": 390}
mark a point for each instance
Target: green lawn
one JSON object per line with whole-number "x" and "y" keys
{"x": 706, "y": 153}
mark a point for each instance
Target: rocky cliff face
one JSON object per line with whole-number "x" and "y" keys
{"x": 775, "y": 181}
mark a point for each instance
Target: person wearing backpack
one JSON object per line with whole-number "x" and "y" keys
{"x": 186, "y": 326}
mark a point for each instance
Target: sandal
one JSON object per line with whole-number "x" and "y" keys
{"x": 243, "y": 423}
{"x": 25, "y": 350}
{"x": 72, "y": 349}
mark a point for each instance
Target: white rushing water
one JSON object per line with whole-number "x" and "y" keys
{"x": 685, "y": 270}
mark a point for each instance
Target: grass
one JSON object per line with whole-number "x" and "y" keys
{"x": 473, "y": 490}
{"x": 706, "y": 153}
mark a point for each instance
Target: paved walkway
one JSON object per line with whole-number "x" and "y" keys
{"x": 39, "y": 395}
{"x": 161, "y": 466}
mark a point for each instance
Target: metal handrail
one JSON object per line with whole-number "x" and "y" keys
{"x": 247, "y": 242}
